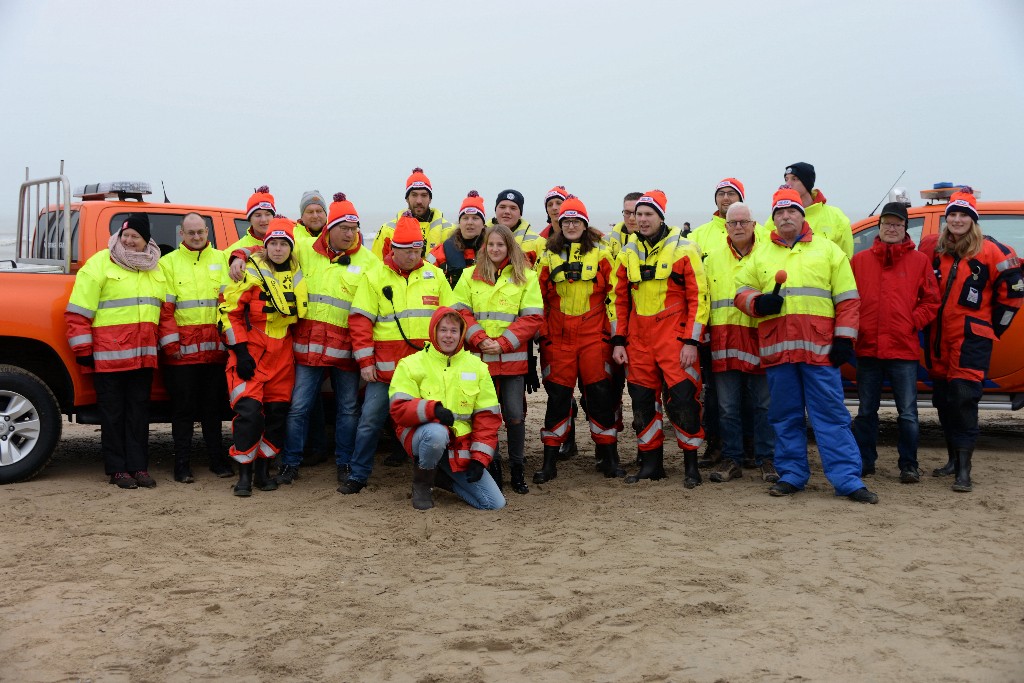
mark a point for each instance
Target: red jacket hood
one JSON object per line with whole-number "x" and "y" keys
{"x": 435, "y": 320}
{"x": 888, "y": 254}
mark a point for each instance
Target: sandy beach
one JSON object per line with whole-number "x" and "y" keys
{"x": 584, "y": 579}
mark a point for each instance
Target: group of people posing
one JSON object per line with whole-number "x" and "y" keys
{"x": 735, "y": 331}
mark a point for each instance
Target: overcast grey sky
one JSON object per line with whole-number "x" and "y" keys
{"x": 215, "y": 98}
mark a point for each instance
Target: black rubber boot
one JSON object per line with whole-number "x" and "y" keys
{"x": 691, "y": 473}
{"x": 519, "y": 479}
{"x": 261, "y": 478}
{"x": 949, "y": 468}
{"x": 550, "y": 468}
{"x": 608, "y": 460}
{"x": 244, "y": 486}
{"x": 652, "y": 466}
{"x": 497, "y": 471}
{"x": 422, "y": 480}
{"x": 963, "y": 470}
{"x": 183, "y": 469}
{"x": 568, "y": 449}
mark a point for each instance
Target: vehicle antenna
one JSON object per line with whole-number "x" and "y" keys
{"x": 885, "y": 195}
{"x": 168, "y": 201}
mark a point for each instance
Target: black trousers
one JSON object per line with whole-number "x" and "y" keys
{"x": 199, "y": 393}
{"x": 123, "y": 400}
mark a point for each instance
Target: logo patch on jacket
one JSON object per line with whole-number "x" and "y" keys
{"x": 431, "y": 301}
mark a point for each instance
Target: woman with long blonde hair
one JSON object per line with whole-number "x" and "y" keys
{"x": 500, "y": 299}
{"x": 982, "y": 288}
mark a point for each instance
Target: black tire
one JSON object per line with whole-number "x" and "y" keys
{"x": 25, "y": 401}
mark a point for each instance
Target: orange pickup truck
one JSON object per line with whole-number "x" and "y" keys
{"x": 56, "y": 234}
{"x": 1004, "y": 221}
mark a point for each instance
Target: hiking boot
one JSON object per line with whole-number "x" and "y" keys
{"x": 343, "y": 472}
{"x": 143, "y": 478}
{"x": 782, "y": 488}
{"x": 768, "y": 472}
{"x": 727, "y": 470}
{"x": 288, "y": 474}
{"x": 910, "y": 475}
{"x": 124, "y": 480}
{"x": 862, "y": 495}
{"x": 519, "y": 479}
{"x": 351, "y": 486}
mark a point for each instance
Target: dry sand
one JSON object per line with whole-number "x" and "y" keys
{"x": 584, "y": 579}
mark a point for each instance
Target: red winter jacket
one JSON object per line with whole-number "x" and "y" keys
{"x": 898, "y": 297}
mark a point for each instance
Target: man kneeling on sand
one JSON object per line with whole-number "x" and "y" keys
{"x": 443, "y": 403}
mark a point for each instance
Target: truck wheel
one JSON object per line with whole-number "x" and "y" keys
{"x": 30, "y": 424}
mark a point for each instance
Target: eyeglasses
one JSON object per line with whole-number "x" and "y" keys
{"x": 627, "y": 214}
{"x": 738, "y": 224}
{"x": 892, "y": 226}
{"x": 572, "y": 222}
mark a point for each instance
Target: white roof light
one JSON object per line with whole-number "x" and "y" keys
{"x": 113, "y": 189}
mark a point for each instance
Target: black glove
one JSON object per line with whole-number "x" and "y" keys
{"x": 246, "y": 366}
{"x": 768, "y": 304}
{"x": 443, "y": 415}
{"x": 86, "y": 361}
{"x": 475, "y": 471}
{"x": 532, "y": 378}
{"x": 842, "y": 351}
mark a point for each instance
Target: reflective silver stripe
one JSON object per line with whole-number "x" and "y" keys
{"x": 473, "y": 330}
{"x": 631, "y": 246}
{"x": 493, "y": 409}
{"x": 229, "y": 335}
{"x": 296, "y": 278}
{"x": 247, "y": 457}
{"x": 358, "y": 311}
{"x": 1008, "y": 263}
{"x": 693, "y": 372}
{"x": 503, "y": 358}
{"x": 362, "y": 353}
{"x": 481, "y": 447}
{"x": 594, "y": 429}
{"x": 401, "y": 395}
{"x": 237, "y": 391}
{"x": 736, "y": 353}
{"x": 459, "y": 306}
{"x": 462, "y": 455}
{"x": 437, "y": 223}
{"x": 80, "y": 339}
{"x": 421, "y": 411}
{"x": 408, "y": 313}
{"x": 846, "y": 332}
{"x": 171, "y": 298}
{"x": 189, "y": 348}
{"x": 545, "y": 371}
{"x": 532, "y": 311}
{"x": 844, "y": 296}
{"x": 798, "y": 345}
{"x": 197, "y": 303}
{"x": 331, "y": 300}
{"x": 134, "y": 301}
{"x": 692, "y": 441}
{"x": 698, "y": 329}
{"x": 125, "y": 353}
{"x": 806, "y": 291}
{"x": 304, "y": 348}
{"x": 1007, "y": 318}
{"x": 332, "y": 352}
{"x": 608, "y": 369}
{"x": 722, "y": 303}
{"x": 465, "y": 417}
{"x": 169, "y": 339}
{"x": 267, "y": 450}
{"x": 431, "y": 259}
{"x": 385, "y": 366}
{"x": 512, "y": 338}
{"x": 560, "y": 429}
{"x": 747, "y": 288}
{"x": 494, "y": 315}
{"x": 615, "y": 327}
{"x": 648, "y": 434}
{"x": 81, "y": 310}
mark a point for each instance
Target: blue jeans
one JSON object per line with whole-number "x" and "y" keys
{"x": 305, "y": 398}
{"x": 744, "y": 399}
{"x": 818, "y": 389}
{"x": 902, "y": 376}
{"x": 430, "y": 448}
{"x": 371, "y": 420}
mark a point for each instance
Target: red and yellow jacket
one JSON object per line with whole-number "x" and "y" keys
{"x": 898, "y": 298}
{"x": 821, "y": 300}
{"x": 661, "y": 292}
{"x": 118, "y": 315}
{"x": 248, "y": 313}
{"x": 462, "y": 384}
{"x": 712, "y": 236}
{"x": 195, "y": 282}
{"x": 504, "y": 311}
{"x": 579, "y": 306}
{"x": 374, "y": 319}
{"x": 435, "y": 231}
{"x": 734, "y": 344}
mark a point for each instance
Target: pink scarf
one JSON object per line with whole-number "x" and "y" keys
{"x": 133, "y": 260}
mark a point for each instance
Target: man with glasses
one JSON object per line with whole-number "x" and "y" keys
{"x": 898, "y": 298}
{"x": 742, "y": 388}
{"x": 621, "y": 232}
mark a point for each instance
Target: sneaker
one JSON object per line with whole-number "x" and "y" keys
{"x": 726, "y": 471}
{"x": 288, "y": 474}
{"x": 143, "y": 478}
{"x": 768, "y": 472}
{"x": 782, "y": 488}
{"x": 123, "y": 480}
{"x": 862, "y": 495}
{"x": 343, "y": 472}
{"x": 911, "y": 475}
{"x": 351, "y": 486}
